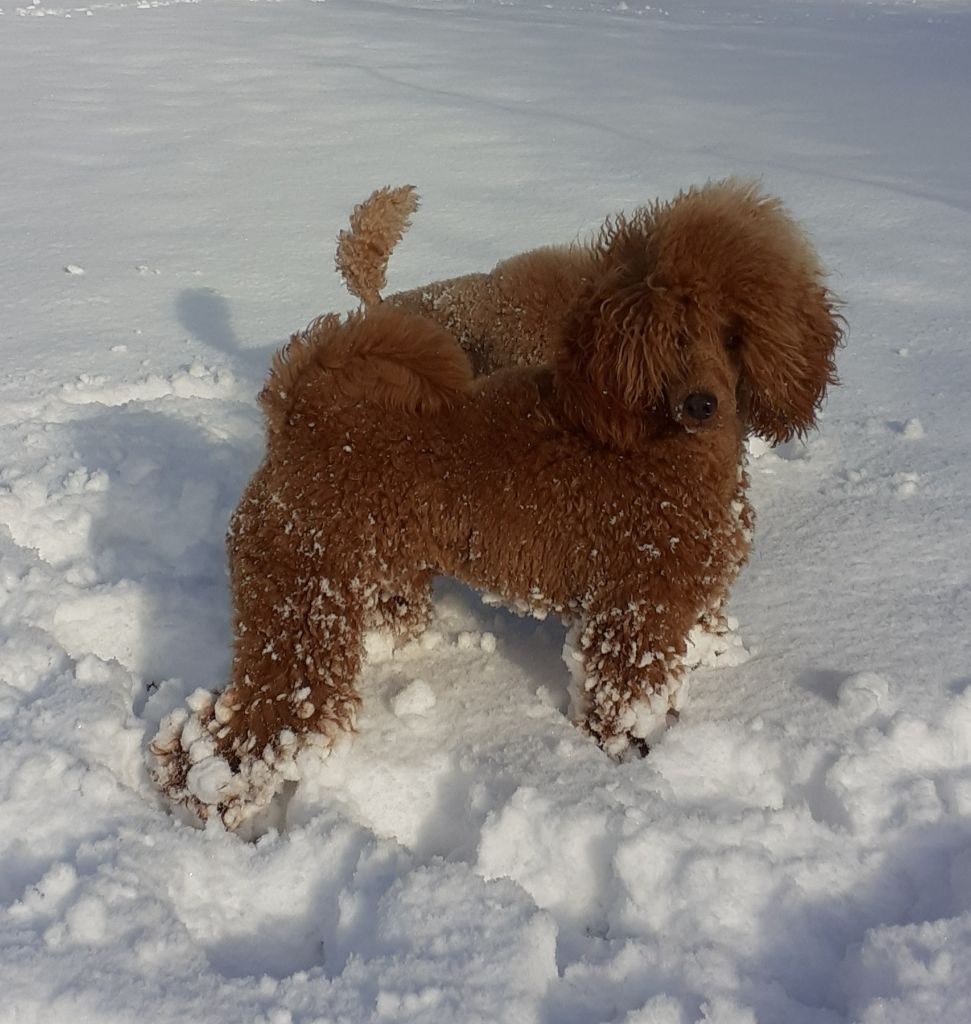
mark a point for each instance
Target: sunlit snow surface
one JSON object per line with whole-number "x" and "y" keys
{"x": 797, "y": 850}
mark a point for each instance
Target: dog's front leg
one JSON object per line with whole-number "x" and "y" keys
{"x": 631, "y": 654}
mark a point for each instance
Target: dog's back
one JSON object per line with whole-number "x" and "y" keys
{"x": 386, "y": 357}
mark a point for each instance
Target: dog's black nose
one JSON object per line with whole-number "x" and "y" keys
{"x": 699, "y": 405}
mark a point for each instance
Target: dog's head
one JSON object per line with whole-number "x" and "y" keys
{"x": 704, "y": 310}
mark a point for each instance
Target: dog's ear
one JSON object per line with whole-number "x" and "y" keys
{"x": 620, "y": 347}
{"x": 613, "y": 366}
{"x": 770, "y": 278}
{"x": 787, "y": 350}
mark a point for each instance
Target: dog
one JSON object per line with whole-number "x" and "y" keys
{"x": 607, "y": 487}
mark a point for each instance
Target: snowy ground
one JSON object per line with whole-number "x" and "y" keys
{"x": 798, "y": 849}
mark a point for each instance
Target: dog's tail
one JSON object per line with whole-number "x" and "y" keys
{"x": 364, "y": 249}
{"x": 387, "y": 358}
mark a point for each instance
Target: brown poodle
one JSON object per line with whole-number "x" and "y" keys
{"x": 607, "y": 487}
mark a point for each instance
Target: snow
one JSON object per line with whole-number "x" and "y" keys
{"x": 417, "y": 698}
{"x": 797, "y": 848}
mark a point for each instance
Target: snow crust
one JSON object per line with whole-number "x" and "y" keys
{"x": 797, "y": 845}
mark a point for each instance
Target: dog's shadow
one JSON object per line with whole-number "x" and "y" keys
{"x": 175, "y": 467}
{"x": 206, "y": 315}
{"x": 157, "y": 542}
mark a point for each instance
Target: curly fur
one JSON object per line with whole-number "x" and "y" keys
{"x": 720, "y": 257}
{"x": 376, "y": 228}
{"x": 407, "y": 365}
{"x": 607, "y": 487}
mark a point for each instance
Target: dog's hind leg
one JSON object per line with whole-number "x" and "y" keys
{"x": 297, "y": 655}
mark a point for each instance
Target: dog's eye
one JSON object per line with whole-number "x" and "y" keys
{"x": 733, "y": 341}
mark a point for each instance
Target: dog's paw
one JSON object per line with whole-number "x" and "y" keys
{"x": 655, "y": 713}
{"x": 626, "y": 731}
{"x": 203, "y": 761}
